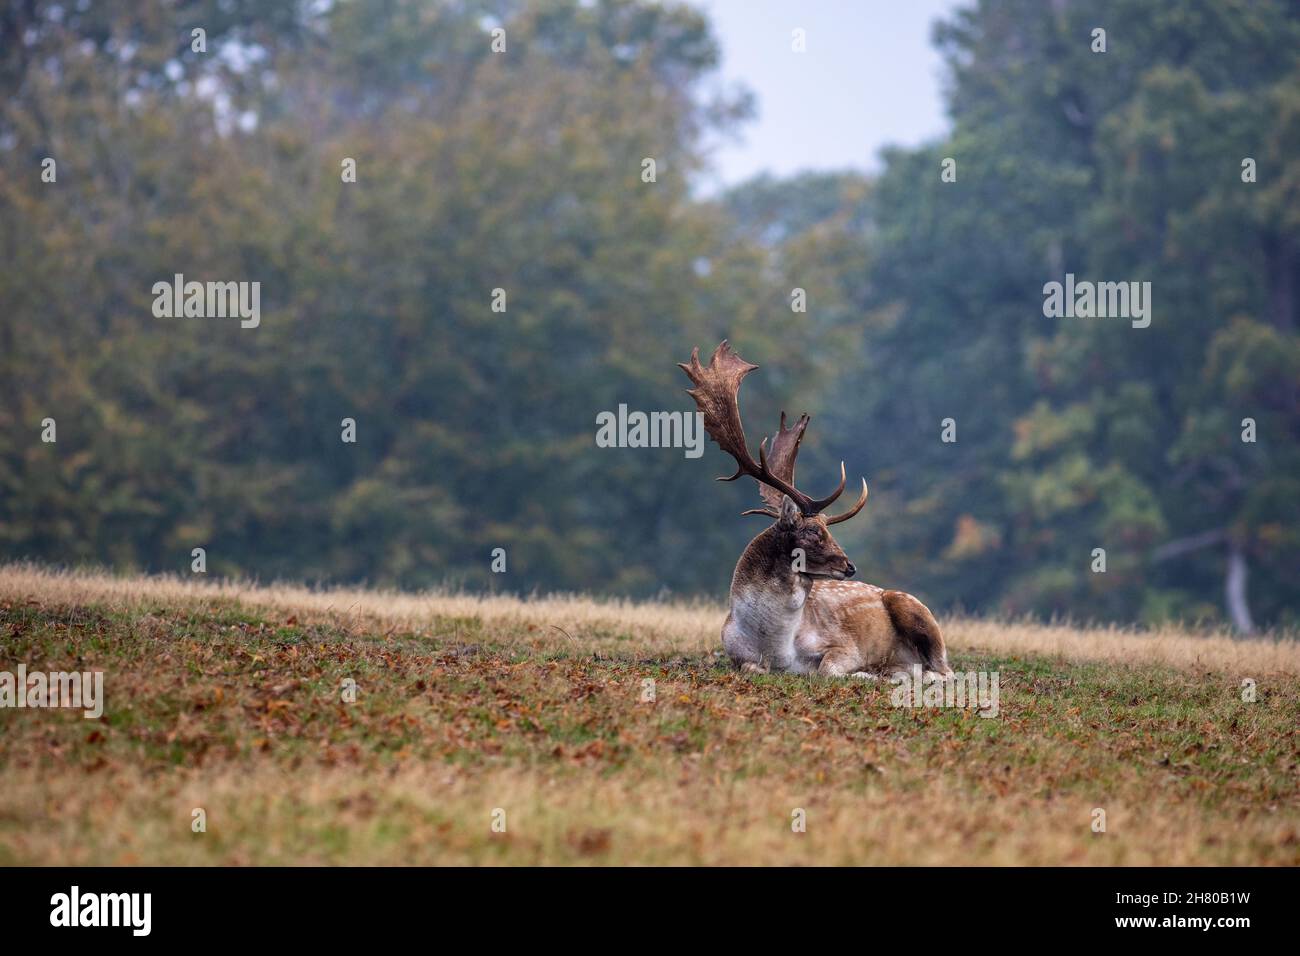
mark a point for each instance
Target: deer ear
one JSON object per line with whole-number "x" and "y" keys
{"x": 789, "y": 513}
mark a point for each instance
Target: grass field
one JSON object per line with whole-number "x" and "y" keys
{"x": 227, "y": 698}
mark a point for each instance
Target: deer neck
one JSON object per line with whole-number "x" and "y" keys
{"x": 767, "y": 594}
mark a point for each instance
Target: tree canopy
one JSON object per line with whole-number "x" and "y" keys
{"x": 516, "y": 177}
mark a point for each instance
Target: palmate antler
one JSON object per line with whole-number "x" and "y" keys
{"x": 716, "y": 393}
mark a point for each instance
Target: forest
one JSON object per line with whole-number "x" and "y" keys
{"x": 462, "y": 267}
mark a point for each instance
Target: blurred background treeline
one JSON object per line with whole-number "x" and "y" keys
{"x": 522, "y": 171}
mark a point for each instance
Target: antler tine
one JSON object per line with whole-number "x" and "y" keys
{"x": 821, "y": 504}
{"x": 810, "y": 506}
{"x": 765, "y": 476}
{"x": 781, "y": 459}
{"x": 716, "y": 394}
{"x": 862, "y": 500}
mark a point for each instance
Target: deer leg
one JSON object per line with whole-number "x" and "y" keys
{"x": 840, "y": 661}
{"x": 743, "y": 652}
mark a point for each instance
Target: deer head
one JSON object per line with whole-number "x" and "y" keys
{"x": 799, "y": 519}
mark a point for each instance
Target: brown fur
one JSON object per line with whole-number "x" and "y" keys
{"x": 840, "y": 626}
{"x": 916, "y": 625}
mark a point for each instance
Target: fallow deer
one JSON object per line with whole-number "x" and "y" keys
{"x": 796, "y": 610}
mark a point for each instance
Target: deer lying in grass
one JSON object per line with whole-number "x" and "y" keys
{"x": 792, "y": 606}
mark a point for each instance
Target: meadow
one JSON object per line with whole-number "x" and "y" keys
{"x": 566, "y": 730}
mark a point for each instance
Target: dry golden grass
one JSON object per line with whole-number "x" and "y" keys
{"x": 654, "y": 628}
{"x": 226, "y": 697}
{"x": 440, "y": 816}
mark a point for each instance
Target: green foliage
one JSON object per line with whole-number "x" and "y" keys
{"x": 1074, "y": 434}
{"x": 479, "y": 171}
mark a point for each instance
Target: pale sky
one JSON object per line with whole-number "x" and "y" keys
{"x": 869, "y": 78}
